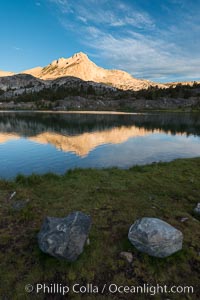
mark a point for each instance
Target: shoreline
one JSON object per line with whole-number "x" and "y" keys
{"x": 75, "y": 112}
{"x": 101, "y": 111}
{"x": 88, "y": 169}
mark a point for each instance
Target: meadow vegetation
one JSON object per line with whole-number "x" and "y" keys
{"x": 115, "y": 199}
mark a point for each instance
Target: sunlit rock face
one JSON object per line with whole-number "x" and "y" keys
{"x": 5, "y": 73}
{"x": 80, "y": 66}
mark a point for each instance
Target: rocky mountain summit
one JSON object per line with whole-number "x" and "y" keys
{"x": 80, "y": 66}
{"x": 78, "y": 83}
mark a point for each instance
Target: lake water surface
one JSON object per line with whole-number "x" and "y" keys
{"x": 56, "y": 142}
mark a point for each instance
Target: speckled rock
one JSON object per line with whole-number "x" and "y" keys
{"x": 155, "y": 237}
{"x": 65, "y": 237}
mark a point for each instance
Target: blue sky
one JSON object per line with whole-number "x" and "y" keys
{"x": 151, "y": 39}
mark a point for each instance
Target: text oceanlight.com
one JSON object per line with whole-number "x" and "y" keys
{"x": 112, "y": 288}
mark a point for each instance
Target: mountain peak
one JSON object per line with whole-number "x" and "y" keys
{"x": 80, "y": 55}
{"x": 66, "y": 62}
{"x": 80, "y": 66}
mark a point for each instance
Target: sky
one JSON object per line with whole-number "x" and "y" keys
{"x": 151, "y": 39}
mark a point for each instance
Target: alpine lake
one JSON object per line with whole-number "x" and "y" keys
{"x": 55, "y": 142}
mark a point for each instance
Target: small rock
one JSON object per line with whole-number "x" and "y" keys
{"x": 12, "y": 195}
{"x": 127, "y": 255}
{"x": 197, "y": 209}
{"x": 184, "y": 219}
{"x": 65, "y": 237}
{"x": 155, "y": 237}
{"x": 18, "y": 205}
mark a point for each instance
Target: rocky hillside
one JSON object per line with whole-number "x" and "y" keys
{"x": 13, "y": 86}
{"x": 25, "y": 87}
{"x": 178, "y": 83}
{"x": 80, "y": 66}
{"x": 77, "y": 83}
{"x": 19, "y": 81}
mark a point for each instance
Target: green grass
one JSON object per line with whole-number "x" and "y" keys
{"x": 115, "y": 199}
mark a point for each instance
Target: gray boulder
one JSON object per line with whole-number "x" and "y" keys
{"x": 155, "y": 237}
{"x": 65, "y": 237}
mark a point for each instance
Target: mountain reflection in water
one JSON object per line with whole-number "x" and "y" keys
{"x": 82, "y": 144}
{"x": 43, "y": 142}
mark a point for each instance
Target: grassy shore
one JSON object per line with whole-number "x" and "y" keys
{"x": 115, "y": 199}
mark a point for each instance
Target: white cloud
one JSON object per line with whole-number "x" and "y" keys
{"x": 146, "y": 58}
{"x": 84, "y": 20}
{"x": 113, "y": 13}
{"x": 129, "y": 38}
{"x": 63, "y": 5}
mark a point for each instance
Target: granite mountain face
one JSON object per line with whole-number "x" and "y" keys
{"x": 78, "y": 83}
{"x": 80, "y": 66}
